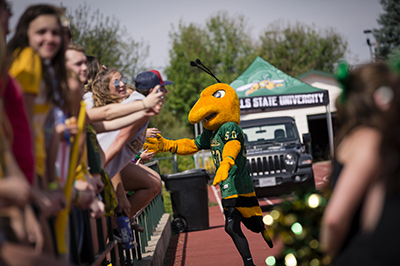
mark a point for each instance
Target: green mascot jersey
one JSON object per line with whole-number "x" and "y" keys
{"x": 239, "y": 180}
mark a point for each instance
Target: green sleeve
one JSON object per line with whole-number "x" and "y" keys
{"x": 203, "y": 141}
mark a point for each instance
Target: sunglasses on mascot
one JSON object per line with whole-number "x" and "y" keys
{"x": 118, "y": 82}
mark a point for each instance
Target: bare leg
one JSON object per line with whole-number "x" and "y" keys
{"x": 145, "y": 182}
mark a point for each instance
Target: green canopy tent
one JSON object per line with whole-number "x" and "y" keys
{"x": 263, "y": 87}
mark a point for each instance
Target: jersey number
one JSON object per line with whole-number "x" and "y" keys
{"x": 217, "y": 158}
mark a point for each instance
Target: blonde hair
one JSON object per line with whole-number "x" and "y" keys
{"x": 130, "y": 87}
{"x": 94, "y": 67}
{"x": 101, "y": 92}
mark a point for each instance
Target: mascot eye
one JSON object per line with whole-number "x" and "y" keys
{"x": 219, "y": 94}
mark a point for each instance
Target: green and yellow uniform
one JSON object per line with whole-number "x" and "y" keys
{"x": 238, "y": 189}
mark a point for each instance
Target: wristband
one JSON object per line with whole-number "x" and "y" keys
{"x": 144, "y": 106}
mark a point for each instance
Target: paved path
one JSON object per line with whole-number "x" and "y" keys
{"x": 214, "y": 247}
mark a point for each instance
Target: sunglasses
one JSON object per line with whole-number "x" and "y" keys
{"x": 118, "y": 82}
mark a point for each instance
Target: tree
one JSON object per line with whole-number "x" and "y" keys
{"x": 104, "y": 38}
{"x": 295, "y": 49}
{"x": 226, "y": 47}
{"x": 388, "y": 36}
{"x": 223, "y": 45}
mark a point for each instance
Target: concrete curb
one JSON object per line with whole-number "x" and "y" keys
{"x": 158, "y": 244}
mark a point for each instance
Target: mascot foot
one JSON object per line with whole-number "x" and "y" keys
{"x": 267, "y": 238}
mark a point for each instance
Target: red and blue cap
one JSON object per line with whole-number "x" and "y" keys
{"x": 149, "y": 79}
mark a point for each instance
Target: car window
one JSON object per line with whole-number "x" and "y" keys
{"x": 270, "y": 133}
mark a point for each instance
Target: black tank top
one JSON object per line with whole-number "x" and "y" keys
{"x": 337, "y": 168}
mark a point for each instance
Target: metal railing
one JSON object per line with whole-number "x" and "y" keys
{"x": 110, "y": 251}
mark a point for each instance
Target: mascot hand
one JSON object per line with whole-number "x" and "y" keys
{"x": 160, "y": 144}
{"x": 223, "y": 170}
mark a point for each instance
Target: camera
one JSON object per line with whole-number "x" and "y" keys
{"x": 160, "y": 90}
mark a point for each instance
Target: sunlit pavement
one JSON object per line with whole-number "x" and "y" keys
{"x": 214, "y": 247}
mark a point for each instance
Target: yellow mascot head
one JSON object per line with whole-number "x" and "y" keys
{"x": 218, "y": 104}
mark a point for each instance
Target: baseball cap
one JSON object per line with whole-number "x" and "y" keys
{"x": 149, "y": 79}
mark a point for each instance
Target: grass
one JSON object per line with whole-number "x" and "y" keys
{"x": 167, "y": 201}
{"x": 211, "y": 204}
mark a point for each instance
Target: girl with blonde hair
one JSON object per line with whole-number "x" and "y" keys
{"x": 110, "y": 87}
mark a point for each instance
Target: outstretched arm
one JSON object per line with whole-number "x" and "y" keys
{"x": 180, "y": 146}
{"x": 116, "y": 110}
{"x": 231, "y": 150}
{"x": 105, "y": 126}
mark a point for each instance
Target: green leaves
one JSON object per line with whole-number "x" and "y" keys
{"x": 388, "y": 36}
{"x": 298, "y": 48}
{"x": 105, "y": 38}
{"x": 222, "y": 44}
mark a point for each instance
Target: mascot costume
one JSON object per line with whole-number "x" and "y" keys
{"x": 218, "y": 108}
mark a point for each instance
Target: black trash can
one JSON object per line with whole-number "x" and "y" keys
{"x": 189, "y": 199}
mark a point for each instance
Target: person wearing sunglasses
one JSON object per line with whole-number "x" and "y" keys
{"x": 121, "y": 146}
{"x": 118, "y": 85}
{"x": 110, "y": 116}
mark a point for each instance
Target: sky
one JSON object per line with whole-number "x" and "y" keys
{"x": 153, "y": 20}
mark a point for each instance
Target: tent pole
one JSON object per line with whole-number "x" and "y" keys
{"x": 330, "y": 129}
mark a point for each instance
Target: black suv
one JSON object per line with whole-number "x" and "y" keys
{"x": 277, "y": 160}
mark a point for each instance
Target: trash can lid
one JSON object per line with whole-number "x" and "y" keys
{"x": 186, "y": 174}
